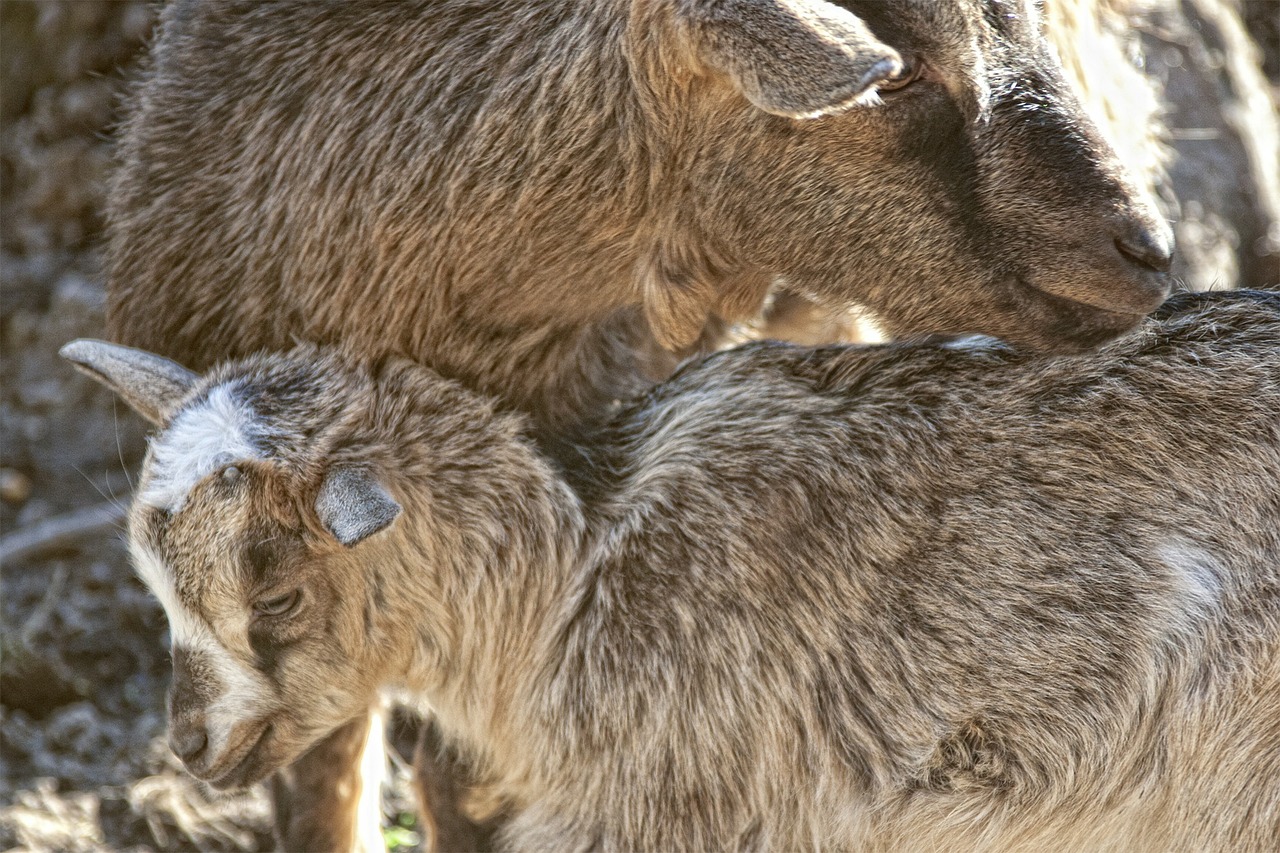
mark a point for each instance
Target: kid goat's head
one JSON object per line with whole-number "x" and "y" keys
{"x": 242, "y": 529}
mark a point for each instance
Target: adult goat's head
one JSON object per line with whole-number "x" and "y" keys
{"x": 923, "y": 157}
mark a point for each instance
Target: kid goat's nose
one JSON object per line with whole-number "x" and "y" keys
{"x": 188, "y": 741}
{"x": 188, "y": 735}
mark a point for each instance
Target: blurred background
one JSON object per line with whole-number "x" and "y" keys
{"x": 1186, "y": 90}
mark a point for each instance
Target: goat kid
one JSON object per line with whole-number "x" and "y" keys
{"x": 921, "y": 596}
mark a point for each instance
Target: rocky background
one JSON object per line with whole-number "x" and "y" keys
{"x": 1187, "y": 88}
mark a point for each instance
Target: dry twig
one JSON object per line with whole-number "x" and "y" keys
{"x": 60, "y": 532}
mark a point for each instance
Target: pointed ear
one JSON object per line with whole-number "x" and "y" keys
{"x": 152, "y": 385}
{"x": 353, "y": 506}
{"x": 792, "y": 58}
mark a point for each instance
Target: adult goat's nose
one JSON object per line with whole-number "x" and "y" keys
{"x": 188, "y": 741}
{"x": 1146, "y": 247}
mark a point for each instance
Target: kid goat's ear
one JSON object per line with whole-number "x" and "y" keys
{"x": 353, "y": 506}
{"x": 152, "y": 385}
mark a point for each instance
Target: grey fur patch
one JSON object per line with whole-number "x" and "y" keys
{"x": 801, "y": 61}
{"x": 353, "y": 506}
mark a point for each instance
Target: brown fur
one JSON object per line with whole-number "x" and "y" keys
{"x": 911, "y": 597}
{"x": 508, "y": 192}
{"x": 543, "y": 199}
{"x": 331, "y": 777}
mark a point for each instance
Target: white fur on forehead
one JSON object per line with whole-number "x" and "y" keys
{"x": 219, "y": 430}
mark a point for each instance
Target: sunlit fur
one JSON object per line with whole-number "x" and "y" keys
{"x": 201, "y": 440}
{"x": 910, "y": 597}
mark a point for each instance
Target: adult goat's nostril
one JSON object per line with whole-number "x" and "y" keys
{"x": 189, "y": 742}
{"x": 1146, "y": 249}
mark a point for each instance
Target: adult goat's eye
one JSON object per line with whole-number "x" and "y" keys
{"x": 910, "y": 73}
{"x": 277, "y": 605}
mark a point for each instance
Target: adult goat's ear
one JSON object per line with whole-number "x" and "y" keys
{"x": 792, "y": 58}
{"x": 152, "y": 385}
{"x": 353, "y": 505}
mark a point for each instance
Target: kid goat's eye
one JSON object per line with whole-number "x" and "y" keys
{"x": 277, "y": 605}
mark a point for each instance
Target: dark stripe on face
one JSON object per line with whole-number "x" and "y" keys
{"x": 267, "y": 560}
{"x": 266, "y": 655}
{"x": 1000, "y": 15}
{"x": 261, "y": 557}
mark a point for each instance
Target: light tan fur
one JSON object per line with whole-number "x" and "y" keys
{"x": 938, "y": 596}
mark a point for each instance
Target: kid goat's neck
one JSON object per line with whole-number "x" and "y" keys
{"x": 482, "y": 566}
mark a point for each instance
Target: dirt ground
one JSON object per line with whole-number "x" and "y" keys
{"x": 83, "y": 647}
{"x": 84, "y": 665}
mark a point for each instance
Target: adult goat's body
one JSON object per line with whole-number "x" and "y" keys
{"x": 536, "y": 198}
{"x": 935, "y": 596}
